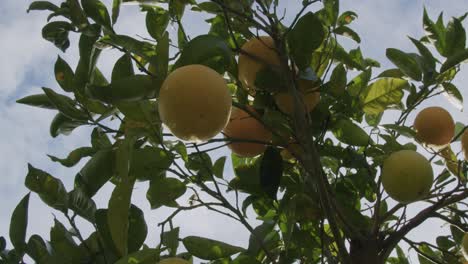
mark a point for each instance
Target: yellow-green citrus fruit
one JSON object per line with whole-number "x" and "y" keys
{"x": 308, "y": 93}
{"x": 434, "y": 126}
{"x": 464, "y": 142}
{"x": 465, "y": 246}
{"x": 194, "y": 103}
{"x": 173, "y": 261}
{"x": 407, "y": 176}
{"x": 243, "y": 126}
{"x": 261, "y": 48}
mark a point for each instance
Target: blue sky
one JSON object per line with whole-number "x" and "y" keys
{"x": 27, "y": 65}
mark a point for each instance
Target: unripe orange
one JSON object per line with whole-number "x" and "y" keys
{"x": 194, "y": 103}
{"x": 173, "y": 261}
{"x": 242, "y": 126}
{"x": 434, "y": 126}
{"x": 261, "y": 48}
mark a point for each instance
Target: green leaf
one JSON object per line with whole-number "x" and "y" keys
{"x": 426, "y": 54}
{"x": 99, "y": 139}
{"x": 37, "y": 100}
{"x": 104, "y": 231}
{"x": 382, "y": 94}
{"x": 262, "y": 233}
{"x": 402, "y": 130}
{"x": 2, "y": 243}
{"x": 435, "y": 32}
{"x": 96, "y": 10}
{"x": 455, "y": 37}
{"x": 132, "y": 88}
{"x": 74, "y": 157}
{"x": 123, "y": 68}
{"x": 171, "y": 240}
{"x": 18, "y": 225}
{"x": 306, "y": 36}
{"x": 78, "y": 17}
{"x": 49, "y": 188}
{"x": 65, "y": 105}
{"x": 149, "y": 162}
{"x": 208, "y": 50}
{"x": 164, "y": 191}
{"x": 143, "y": 49}
{"x": 332, "y": 9}
{"x": 145, "y": 256}
{"x": 209, "y": 249}
{"x": 358, "y": 85}
{"x": 454, "y": 60}
{"x": 218, "y": 167}
{"x": 406, "y": 63}
{"x": 162, "y": 60}
{"x": 247, "y": 176}
{"x": 61, "y": 124}
{"x": 38, "y": 250}
{"x": 338, "y": 80}
{"x": 64, "y": 74}
{"x": 271, "y": 171}
{"x": 115, "y": 10}
{"x": 347, "y": 32}
{"x": 346, "y": 18}
{"x": 81, "y": 204}
{"x": 137, "y": 229}
{"x": 118, "y": 215}
{"x": 42, "y": 5}
{"x": 348, "y": 132}
{"x": 63, "y": 244}
{"x": 157, "y": 20}
{"x": 453, "y": 95}
{"x": 97, "y": 171}
{"x": 57, "y": 33}
{"x": 391, "y": 73}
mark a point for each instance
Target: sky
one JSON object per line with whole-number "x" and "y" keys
{"x": 27, "y": 65}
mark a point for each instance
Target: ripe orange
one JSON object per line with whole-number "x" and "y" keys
{"x": 194, "y": 103}
{"x": 261, "y": 48}
{"x": 243, "y": 126}
{"x": 407, "y": 176}
{"x": 464, "y": 142}
{"x": 434, "y": 126}
{"x": 309, "y": 94}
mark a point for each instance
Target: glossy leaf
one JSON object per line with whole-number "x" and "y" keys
{"x": 218, "y": 167}
{"x": 209, "y": 249}
{"x": 96, "y": 10}
{"x": 118, "y": 215}
{"x": 63, "y": 244}
{"x": 115, "y": 10}
{"x": 38, "y": 250}
{"x": 164, "y": 191}
{"x": 74, "y": 157}
{"x": 123, "y": 68}
{"x": 348, "y": 132}
{"x": 271, "y": 171}
{"x": 426, "y": 54}
{"x": 37, "y": 100}
{"x": 42, "y": 5}
{"x": 65, "y": 105}
{"x": 97, "y": 171}
{"x": 162, "y": 60}
{"x": 346, "y": 18}
{"x": 304, "y": 38}
{"x": 50, "y": 189}
{"x": 57, "y": 33}
{"x": 455, "y": 37}
{"x": 99, "y": 139}
{"x": 171, "y": 240}
{"x": 338, "y": 81}
{"x": 149, "y": 162}
{"x": 81, "y": 204}
{"x": 454, "y": 95}
{"x": 454, "y": 60}
{"x": 347, "y": 32}
{"x": 18, "y": 225}
{"x": 383, "y": 93}
{"x": 133, "y": 88}
{"x": 157, "y": 20}
{"x": 64, "y": 74}
{"x": 435, "y": 32}
{"x": 406, "y": 63}
{"x": 208, "y": 50}
{"x": 143, "y": 49}
{"x": 137, "y": 229}
{"x": 61, "y": 124}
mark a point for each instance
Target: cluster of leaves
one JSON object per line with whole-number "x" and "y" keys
{"x": 296, "y": 222}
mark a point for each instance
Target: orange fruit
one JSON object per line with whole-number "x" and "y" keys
{"x": 434, "y": 126}
{"x": 243, "y": 126}
{"x": 407, "y": 176}
{"x": 261, "y": 48}
{"x": 464, "y": 142}
{"x": 309, "y": 94}
{"x": 194, "y": 103}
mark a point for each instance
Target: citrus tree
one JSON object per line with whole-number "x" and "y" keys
{"x": 322, "y": 147}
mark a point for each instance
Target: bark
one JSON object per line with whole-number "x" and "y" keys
{"x": 365, "y": 252}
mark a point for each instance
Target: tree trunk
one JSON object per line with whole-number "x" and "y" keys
{"x": 365, "y": 252}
